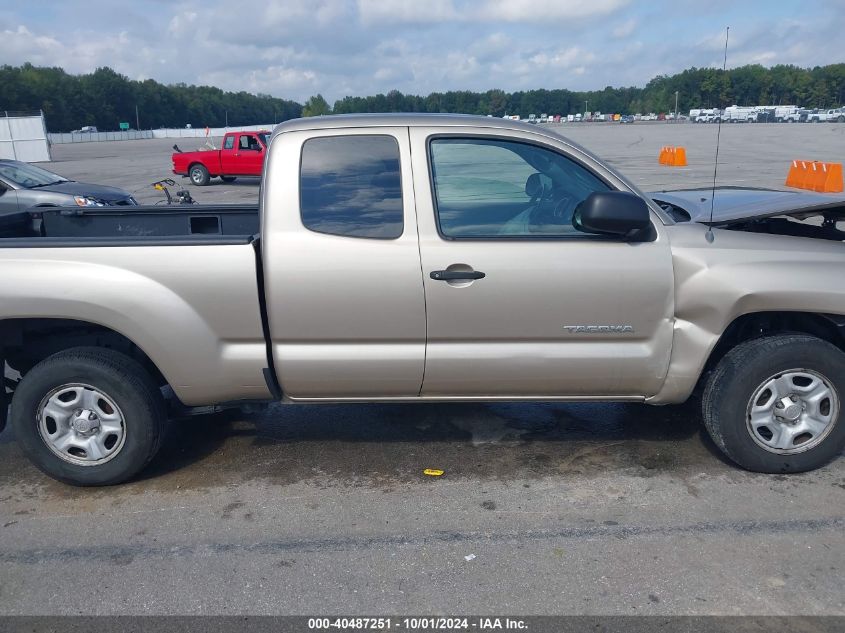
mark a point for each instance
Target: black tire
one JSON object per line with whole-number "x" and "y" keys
{"x": 228, "y": 178}
{"x": 124, "y": 381}
{"x": 737, "y": 378}
{"x": 840, "y": 119}
{"x": 199, "y": 175}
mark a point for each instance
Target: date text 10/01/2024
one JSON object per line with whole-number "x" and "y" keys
{"x": 417, "y": 624}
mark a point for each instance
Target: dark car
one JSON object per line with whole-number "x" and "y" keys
{"x": 23, "y": 186}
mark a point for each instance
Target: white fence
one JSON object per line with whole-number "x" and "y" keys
{"x": 132, "y": 135}
{"x": 24, "y": 138}
{"x": 90, "y": 137}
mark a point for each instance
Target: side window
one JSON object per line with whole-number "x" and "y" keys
{"x": 248, "y": 141}
{"x": 501, "y": 188}
{"x": 229, "y": 143}
{"x": 350, "y": 185}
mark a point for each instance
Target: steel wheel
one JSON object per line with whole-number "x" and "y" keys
{"x": 792, "y": 412}
{"x": 81, "y": 424}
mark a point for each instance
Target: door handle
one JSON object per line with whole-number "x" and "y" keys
{"x": 456, "y": 275}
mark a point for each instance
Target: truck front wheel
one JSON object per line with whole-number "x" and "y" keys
{"x": 88, "y": 416}
{"x": 199, "y": 175}
{"x": 774, "y": 404}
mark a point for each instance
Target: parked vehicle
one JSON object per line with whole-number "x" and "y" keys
{"x": 739, "y": 114}
{"x": 710, "y": 115}
{"x": 827, "y": 116}
{"x": 242, "y": 154}
{"x": 788, "y": 113}
{"x": 23, "y": 186}
{"x": 87, "y": 129}
{"x": 397, "y": 260}
{"x": 627, "y": 118}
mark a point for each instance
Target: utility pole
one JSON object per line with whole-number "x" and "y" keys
{"x": 676, "y": 106}
{"x": 586, "y": 103}
{"x": 227, "y": 119}
{"x": 137, "y": 120}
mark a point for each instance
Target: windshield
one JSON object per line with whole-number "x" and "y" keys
{"x": 28, "y": 176}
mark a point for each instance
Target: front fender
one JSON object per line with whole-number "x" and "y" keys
{"x": 739, "y": 274}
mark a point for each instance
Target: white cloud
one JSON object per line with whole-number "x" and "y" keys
{"x": 545, "y": 10}
{"x": 626, "y": 29}
{"x": 393, "y": 11}
{"x": 504, "y": 11}
{"x": 564, "y": 58}
{"x": 296, "y": 48}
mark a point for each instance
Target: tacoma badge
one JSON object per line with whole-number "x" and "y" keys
{"x": 599, "y": 329}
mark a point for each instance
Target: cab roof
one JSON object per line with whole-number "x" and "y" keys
{"x": 398, "y": 119}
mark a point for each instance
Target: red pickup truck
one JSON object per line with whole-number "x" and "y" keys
{"x": 242, "y": 154}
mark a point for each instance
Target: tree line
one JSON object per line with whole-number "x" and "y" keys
{"x": 822, "y": 87}
{"x": 105, "y": 98}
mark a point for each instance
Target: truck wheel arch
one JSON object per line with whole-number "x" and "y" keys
{"x": 28, "y": 341}
{"x": 827, "y": 327}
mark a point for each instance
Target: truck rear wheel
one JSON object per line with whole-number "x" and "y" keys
{"x": 775, "y": 404}
{"x": 199, "y": 175}
{"x": 88, "y": 416}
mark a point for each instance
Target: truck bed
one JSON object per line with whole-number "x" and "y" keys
{"x": 120, "y": 226}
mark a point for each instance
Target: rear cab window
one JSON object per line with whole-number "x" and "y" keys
{"x": 351, "y": 186}
{"x": 229, "y": 142}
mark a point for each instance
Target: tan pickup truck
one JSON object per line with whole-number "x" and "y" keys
{"x": 419, "y": 258}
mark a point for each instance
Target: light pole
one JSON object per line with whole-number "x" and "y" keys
{"x": 137, "y": 120}
{"x": 586, "y": 103}
{"x": 227, "y": 119}
{"x": 676, "y": 106}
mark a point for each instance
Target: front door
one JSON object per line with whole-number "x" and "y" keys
{"x": 519, "y": 303}
{"x": 250, "y": 155}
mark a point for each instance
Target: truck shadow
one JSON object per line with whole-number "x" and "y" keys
{"x": 369, "y": 444}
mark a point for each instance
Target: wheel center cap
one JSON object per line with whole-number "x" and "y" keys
{"x": 792, "y": 412}
{"x": 85, "y": 422}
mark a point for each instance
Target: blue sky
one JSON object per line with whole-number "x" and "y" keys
{"x": 297, "y": 48}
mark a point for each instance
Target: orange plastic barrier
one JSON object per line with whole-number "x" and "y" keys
{"x": 673, "y": 156}
{"x": 815, "y": 176}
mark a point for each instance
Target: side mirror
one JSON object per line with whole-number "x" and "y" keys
{"x": 615, "y": 213}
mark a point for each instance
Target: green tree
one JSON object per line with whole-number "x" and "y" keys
{"x": 316, "y": 106}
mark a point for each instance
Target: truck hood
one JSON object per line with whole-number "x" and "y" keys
{"x": 744, "y": 203}
{"x": 98, "y": 192}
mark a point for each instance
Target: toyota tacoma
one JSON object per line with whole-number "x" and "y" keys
{"x": 420, "y": 258}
